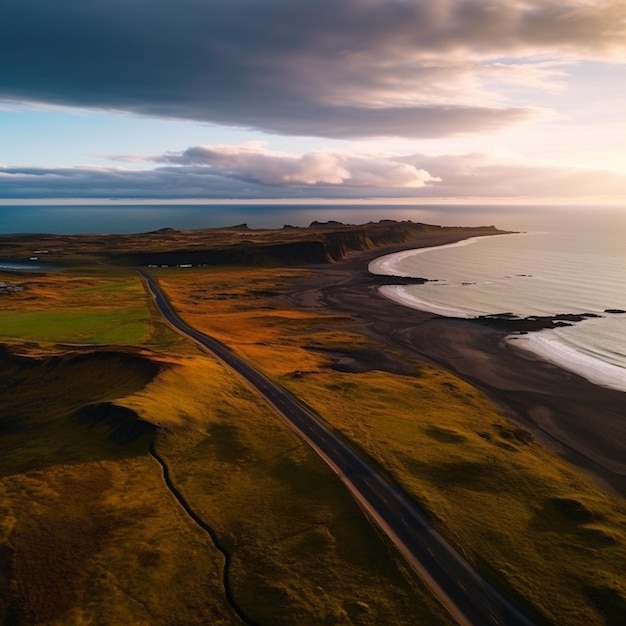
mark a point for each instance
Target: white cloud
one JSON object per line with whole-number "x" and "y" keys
{"x": 250, "y": 171}
{"x": 253, "y": 162}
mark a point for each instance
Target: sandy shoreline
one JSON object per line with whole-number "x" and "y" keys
{"x": 582, "y": 421}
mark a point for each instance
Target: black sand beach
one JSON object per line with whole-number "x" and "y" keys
{"x": 583, "y": 422}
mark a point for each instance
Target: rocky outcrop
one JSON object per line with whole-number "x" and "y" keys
{"x": 329, "y": 224}
{"x": 512, "y": 323}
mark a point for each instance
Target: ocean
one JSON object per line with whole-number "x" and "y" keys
{"x": 119, "y": 217}
{"x": 569, "y": 270}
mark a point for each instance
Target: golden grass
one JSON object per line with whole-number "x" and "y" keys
{"x": 104, "y": 543}
{"x": 515, "y": 509}
{"x": 492, "y": 491}
{"x": 109, "y": 544}
{"x": 88, "y": 534}
{"x": 302, "y": 551}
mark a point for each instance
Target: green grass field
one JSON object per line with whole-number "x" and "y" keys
{"x": 89, "y": 308}
{"x": 123, "y": 326}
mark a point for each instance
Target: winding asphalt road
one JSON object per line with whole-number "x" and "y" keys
{"x": 468, "y": 597}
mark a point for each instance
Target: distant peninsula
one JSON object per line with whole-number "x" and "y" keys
{"x": 319, "y": 243}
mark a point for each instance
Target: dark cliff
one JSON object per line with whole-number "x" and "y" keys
{"x": 303, "y": 246}
{"x": 300, "y": 253}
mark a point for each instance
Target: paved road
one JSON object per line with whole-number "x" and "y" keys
{"x": 465, "y": 594}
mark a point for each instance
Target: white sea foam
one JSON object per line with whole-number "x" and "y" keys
{"x": 398, "y": 294}
{"x": 549, "y": 348}
{"x": 388, "y": 265}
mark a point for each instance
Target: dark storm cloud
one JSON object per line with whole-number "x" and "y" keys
{"x": 91, "y": 182}
{"x": 342, "y": 68}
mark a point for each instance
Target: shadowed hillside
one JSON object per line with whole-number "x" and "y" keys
{"x": 59, "y": 409}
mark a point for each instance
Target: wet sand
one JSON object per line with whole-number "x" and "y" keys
{"x": 585, "y": 423}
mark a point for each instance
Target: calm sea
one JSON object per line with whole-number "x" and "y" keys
{"x": 580, "y": 268}
{"x": 137, "y": 218}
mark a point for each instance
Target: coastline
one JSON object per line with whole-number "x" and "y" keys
{"x": 384, "y": 265}
{"x": 543, "y": 345}
{"x": 580, "y": 420}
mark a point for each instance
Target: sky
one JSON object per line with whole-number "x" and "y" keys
{"x": 454, "y": 101}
